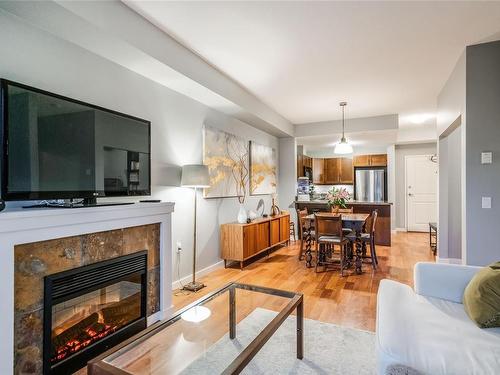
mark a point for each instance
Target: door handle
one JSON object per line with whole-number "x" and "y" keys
{"x": 410, "y": 194}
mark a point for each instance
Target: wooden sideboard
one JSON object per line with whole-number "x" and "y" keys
{"x": 240, "y": 242}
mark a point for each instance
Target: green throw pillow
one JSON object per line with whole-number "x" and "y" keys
{"x": 482, "y": 297}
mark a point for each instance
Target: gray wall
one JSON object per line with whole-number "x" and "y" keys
{"x": 451, "y": 118}
{"x": 42, "y": 60}
{"x": 450, "y": 195}
{"x": 482, "y": 134}
{"x": 401, "y": 152}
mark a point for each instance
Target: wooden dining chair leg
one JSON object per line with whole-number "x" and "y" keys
{"x": 372, "y": 254}
{"x": 375, "y": 252}
{"x": 318, "y": 250}
{"x": 342, "y": 255}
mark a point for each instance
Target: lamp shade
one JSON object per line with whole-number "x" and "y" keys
{"x": 195, "y": 175}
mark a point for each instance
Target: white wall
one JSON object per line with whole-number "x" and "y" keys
{"x": 41, "y": 60}
{"x": 401, "y": 152}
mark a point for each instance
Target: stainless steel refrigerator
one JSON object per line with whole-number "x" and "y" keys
{"x": 370, "y": 184}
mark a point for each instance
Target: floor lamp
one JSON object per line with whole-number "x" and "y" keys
{"x": 195, "y": 176}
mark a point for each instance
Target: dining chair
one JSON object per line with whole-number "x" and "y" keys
{"x": 368, "y": 238}
{"x": 344, "y": 211}
{"x": 304, "y": 224}
{"x": 329, "y": 234}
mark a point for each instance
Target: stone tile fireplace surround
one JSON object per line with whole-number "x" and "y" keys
{"x": 39, "y": 242}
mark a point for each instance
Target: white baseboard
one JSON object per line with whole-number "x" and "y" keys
{"x": 449, "y": 260}
{"x": 400, "y": 230}
{"x": 200, "y": 273}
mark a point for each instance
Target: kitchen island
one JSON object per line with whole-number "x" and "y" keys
{"x": 382, "y": 227}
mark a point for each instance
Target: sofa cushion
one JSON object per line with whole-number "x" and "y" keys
{"x": 431, "y": 335}
{"x": 482, "y": 297}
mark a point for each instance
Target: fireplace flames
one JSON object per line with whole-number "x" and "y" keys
{"x": 82, "y": 338}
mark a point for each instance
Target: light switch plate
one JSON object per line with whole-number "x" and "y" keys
{"x": 486, "y": 157}
{"x": 486, "y": 202}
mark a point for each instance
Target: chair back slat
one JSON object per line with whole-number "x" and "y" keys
{"x": 342, "y": 210}
{"x": 371, "y": 222}
{"x": 328, "y": 224}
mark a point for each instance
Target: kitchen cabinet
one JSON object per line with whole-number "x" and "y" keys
{"x": 332, "y": 171}
{"x": 318, "y": 171}
{"x": 378, "y": 160}
{"x": 303, "y": 161}
{"x": 308, "y": 161}
{"x": 346, "y": 171}
{"x": 300, "y": 166}
{"x": 240, "y": 242}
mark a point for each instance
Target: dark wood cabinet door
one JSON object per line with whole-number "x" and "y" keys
{"x": 332, "y": 171}
{"x": 379, "y": 160}
{"x": 249, "y": 240}
{"x": 300, "y": 166}
{"x": 284, "y": 228}
{"x": 318, "y": 171}
{"x": 263, "y": 238}
{"x": 275, "y": 231}
{"x": 361, "y": 161}
{"x": 346, "y": 171}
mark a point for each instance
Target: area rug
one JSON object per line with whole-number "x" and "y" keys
{"x": 328, "y": 349}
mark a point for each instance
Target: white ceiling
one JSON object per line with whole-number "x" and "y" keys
{"x": 302, "y": 58}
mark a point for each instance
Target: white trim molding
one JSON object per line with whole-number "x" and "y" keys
{"x": 184, "y": 280}
{"x": 449, "y": 260}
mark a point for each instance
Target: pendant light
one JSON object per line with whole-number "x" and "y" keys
{"x": 343, "y": 147}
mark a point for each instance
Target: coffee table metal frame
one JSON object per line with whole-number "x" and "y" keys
{"x": 99, "y": 365}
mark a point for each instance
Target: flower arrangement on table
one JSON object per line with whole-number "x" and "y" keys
{"x": 338, "y": 197}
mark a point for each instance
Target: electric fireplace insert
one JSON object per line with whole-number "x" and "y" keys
{"x": 89, "y": 309}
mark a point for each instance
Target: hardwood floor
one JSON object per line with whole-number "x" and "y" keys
{"x": 348, "y": 301}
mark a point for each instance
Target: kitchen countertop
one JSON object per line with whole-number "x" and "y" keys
{"x": 319, "y": 201}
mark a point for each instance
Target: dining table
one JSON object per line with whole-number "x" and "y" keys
{"x": 355, "y": 222}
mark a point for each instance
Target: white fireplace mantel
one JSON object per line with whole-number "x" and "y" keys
{"x": 19, "y": 226}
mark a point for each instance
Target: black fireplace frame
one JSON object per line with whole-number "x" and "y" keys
{"x": 63, "y": 286}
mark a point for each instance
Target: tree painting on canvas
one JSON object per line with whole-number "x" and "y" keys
{"x": 226, "y": 156}
{"x": 263, "y": 169}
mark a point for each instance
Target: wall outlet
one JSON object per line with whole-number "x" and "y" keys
{"x": 486, "y": 157}
{"x": 486, "y": 202}
{"x": 179, "y": 247}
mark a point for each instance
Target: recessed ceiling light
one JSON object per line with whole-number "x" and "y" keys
{"x": 420, "y": 118}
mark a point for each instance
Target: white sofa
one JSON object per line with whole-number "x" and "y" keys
{"x": 427, "y": 329}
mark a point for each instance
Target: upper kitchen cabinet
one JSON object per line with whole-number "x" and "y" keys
{"x": 300, "y": 166}
{"x": 318, "y": 171}
{"x": 332, "y": 171}
{"x": 346, "y": 171}
{"x": 379, "y": 160}
{"x": 308, "y": 161}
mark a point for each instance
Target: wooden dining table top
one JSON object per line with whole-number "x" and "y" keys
{"x": 345, "y": 217}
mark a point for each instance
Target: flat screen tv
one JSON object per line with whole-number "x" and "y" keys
{"x": 55, "y": 147}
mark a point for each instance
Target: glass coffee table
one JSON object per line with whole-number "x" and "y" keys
{"x": 219, "y": 333}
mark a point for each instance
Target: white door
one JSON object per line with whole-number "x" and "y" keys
{"x": 421, "y": 192}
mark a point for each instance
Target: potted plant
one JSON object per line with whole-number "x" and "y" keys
{"x": 337, "y": 198}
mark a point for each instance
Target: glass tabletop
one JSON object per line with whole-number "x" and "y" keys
{"x": 219, "y": 333}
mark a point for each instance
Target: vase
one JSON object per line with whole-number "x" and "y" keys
{"x": 242, "y": 214}
{"x": 335, "y": 209}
